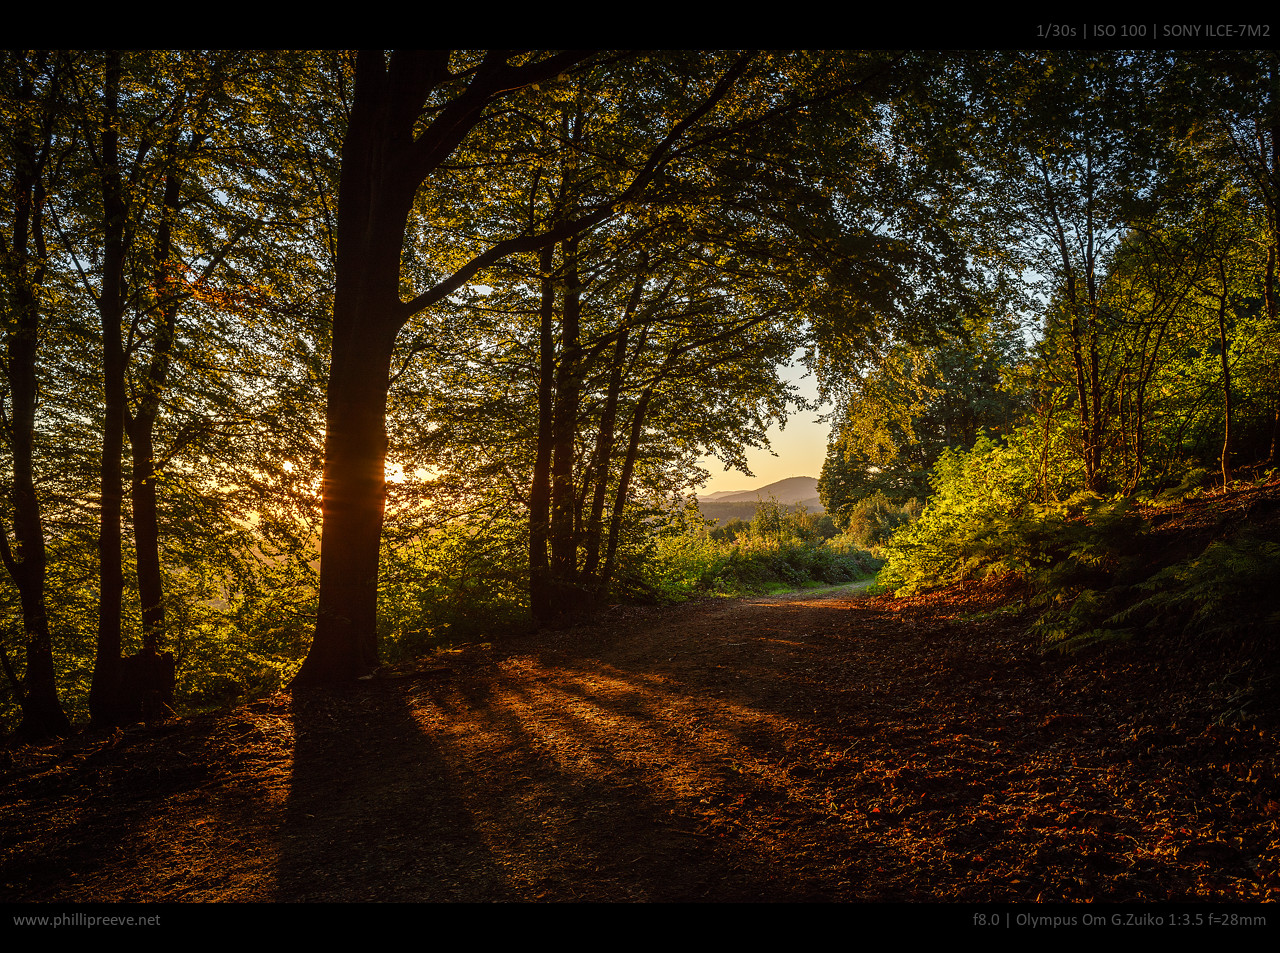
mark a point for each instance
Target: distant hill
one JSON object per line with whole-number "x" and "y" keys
{"x": 801, "y": 489}
{"x": 725, "y": 505}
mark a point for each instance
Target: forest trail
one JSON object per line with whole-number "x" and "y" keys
{"x": 824, "y": 746}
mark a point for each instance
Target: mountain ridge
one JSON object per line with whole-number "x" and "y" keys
{"x": 797, "y": 489}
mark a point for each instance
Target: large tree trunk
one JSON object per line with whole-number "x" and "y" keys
{"x": 624, "y": 489}
{"x": 141, "y": 426}
{"x": 606, "y": 436}
{"x": 42, "y": 715}
{"x": 24, "y": 258}
{"x": 146, "y": 533}
{"x": 104, "y": 691}
{"x": 345, "y": 643}
{"x": 374, "y": 199}
{"x": 605, "y": 439}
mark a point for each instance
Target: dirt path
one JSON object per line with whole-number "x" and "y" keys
{"x": 816, "y": 747}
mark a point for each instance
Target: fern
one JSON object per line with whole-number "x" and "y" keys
{"x": 1213, "y": 593}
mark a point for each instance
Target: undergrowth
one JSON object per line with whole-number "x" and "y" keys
{"x": 699, "y": 565}
{"x": 1224, "y": 592}
{"x": 1098, "y": 571}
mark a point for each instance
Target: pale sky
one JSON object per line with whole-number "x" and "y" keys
{"x": 800, "y": 448}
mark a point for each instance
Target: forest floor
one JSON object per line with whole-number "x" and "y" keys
{"x": 817, "y": 746}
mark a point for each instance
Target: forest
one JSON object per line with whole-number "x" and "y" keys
{"x": 320, "y": 360}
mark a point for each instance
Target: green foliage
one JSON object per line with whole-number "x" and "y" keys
{"x": 976, "y": 495}
{"x": 1089, "y": 559}
{"x": 1079, "y": 557}
{"x": 454, "y": 582}
{"x": 897, "y": 416}
{"x": 1213, "y": 595}
{"x": 236, "y": 629}
{"x": 873, "y": 520}
{"x": 780, "y": 548}
{"x": 729, "y": 531}
{"x": 686, "y": 564}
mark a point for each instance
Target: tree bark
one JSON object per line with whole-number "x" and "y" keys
{"x": 624, "y": 489}
{"x": 564, "y": 430}
{"x": 23, "y": 256}
{"x": 606, "y": 436}
{"x": 141, "y": 425}
{"x": 540, "y": 491}
{"x": 42, "y": 714}
{"x": 1223, "y": 345}
{"x": 104, "y": 691}
{"x": 345, "y": 644}
{"x": 605, "y": 439}
{"x": 374, "y": 198}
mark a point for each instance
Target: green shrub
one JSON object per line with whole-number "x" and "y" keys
{"x": 976, "y": 495}
{"x": 1217, "y": 591}
{"x": 683, "y": 564}
{"x": 874, "y": 519}
{"x": 690, "y": 564}
{"x": 453, "y": 581}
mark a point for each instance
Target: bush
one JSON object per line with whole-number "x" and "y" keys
{"x": 976, "y": 495}
{"x": 458, "y": 580}
{"x": 780, "y": 548}
{"x": 1211, "y": 595}
{"x": 683, "y": 564}
{"x": 874, "y": 519}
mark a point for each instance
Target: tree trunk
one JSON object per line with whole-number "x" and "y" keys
{"x": 1088, "y": 388}
{"x": 605, "y": 439}
{"x": 26, "y": 561}
{"x": 540, "y": 491}
{"x": 608, "y": 425}
{"x": 1270, "y": 190}
{"x": 141, "y": 426}
{"x": 42, "y": 714}
{"x": 1226, "y": 378}
{"x": 146, "y": 532}
{"x": 564, "y": 428}
{"x": 345, "y": 644}
{"x": 624, "y": 488}
{"x": 104, "y": 691}
{"x": 354, "y": 493}
{"x": 1273, "y": 454}
{"x": 375, "y": 195}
